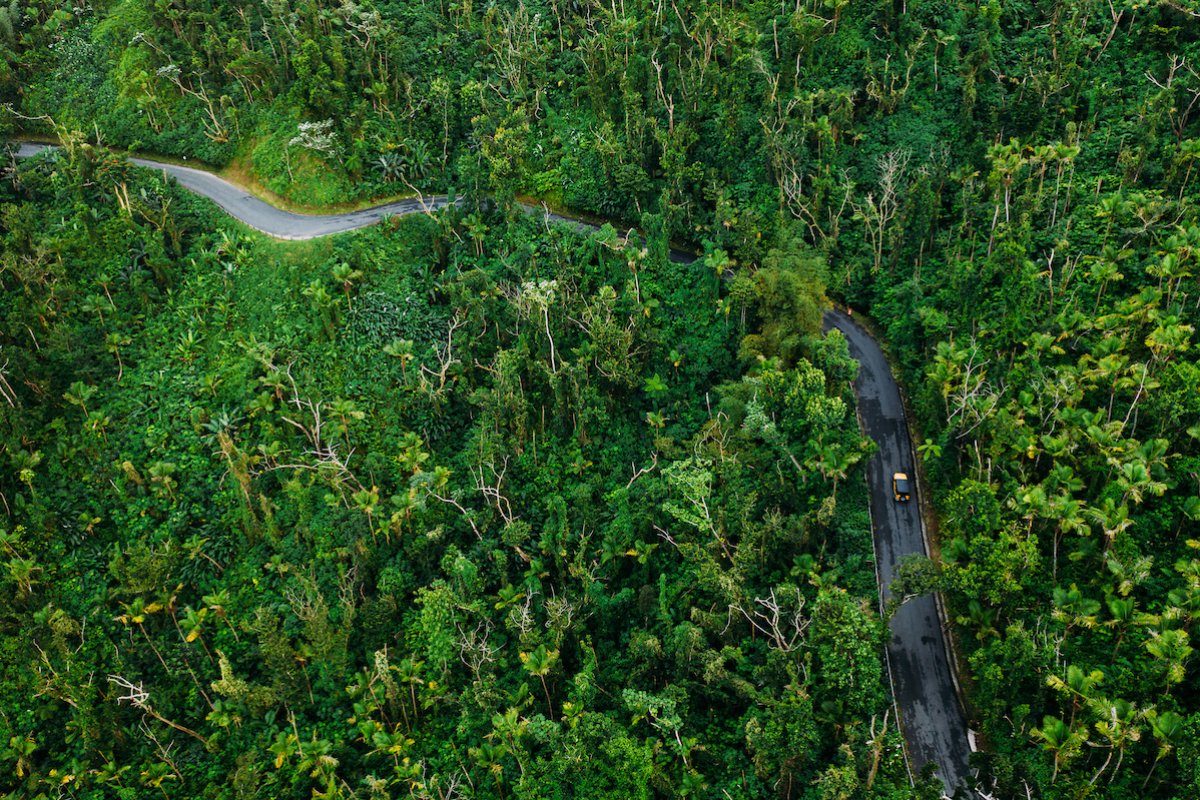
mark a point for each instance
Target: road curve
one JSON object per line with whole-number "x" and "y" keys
{"x": 276, "y": 222}
{"x": 932, "y": 718}
{"x": 933, "y": 722}
{"x": 262, "y": 216}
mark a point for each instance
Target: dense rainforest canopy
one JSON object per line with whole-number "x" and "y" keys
{"x": 467, "y": 505}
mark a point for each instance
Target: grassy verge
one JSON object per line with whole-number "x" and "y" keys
{"x": 240, "y": 174}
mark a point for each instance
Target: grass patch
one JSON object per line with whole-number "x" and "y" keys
{"x": 240, "y": 172}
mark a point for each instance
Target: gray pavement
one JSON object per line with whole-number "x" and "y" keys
{"x": 934, "y": 726}
{"x": 268, "y": 219}
{"x": 933, "y": 722}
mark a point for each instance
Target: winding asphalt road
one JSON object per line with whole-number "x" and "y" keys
{"x": 933, "y": 722}
{"x": 922, "y": 682}
{"x": 268, "y": 219}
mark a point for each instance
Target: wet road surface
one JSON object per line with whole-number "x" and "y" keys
{"x": 268, "y": 219}
{"x": 934, "y": 726}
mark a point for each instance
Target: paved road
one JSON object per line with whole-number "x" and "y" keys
{"x": 268, "y": 219}
{"x": 933, "y": 722}
{"x": 932, "y": 717}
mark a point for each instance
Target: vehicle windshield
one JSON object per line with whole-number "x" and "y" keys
{"x": 901, "y": 486}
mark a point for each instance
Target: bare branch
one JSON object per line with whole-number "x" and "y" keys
{"x": 639, "y": 472}
{"x": 782, "y": 622}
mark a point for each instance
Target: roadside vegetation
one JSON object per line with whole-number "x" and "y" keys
{"x": 456, "y": 505}
{"x": 447, "y": 505}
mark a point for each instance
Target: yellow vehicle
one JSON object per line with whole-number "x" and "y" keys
{"x": 900, "y": 487}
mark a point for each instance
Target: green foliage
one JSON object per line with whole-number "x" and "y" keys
{"x": 353, "y": 514}
{"x": 458, "y": 439}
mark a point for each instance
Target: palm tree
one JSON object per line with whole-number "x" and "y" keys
{"x": 346, "y": 410}
{"x": 95, "y": 303}
{"x": 417, "y": 158}
{"x": 510, "y": 727}
{"x": 1064, "y": 154}
{"x": 324, "y": 303}
{"x": 1103, "y": 272}
{"x": 316, "y": 760}
{"x": 477, "y": 229}
{"x": 1170, "y": 270}
{"x": 346, "y": 275}
{"x": 941, "y": 39}
{"x": 490, "y": 757}
{"x": 218, "y": 603}
{"x": 113, "y": 343}
{"x": 284, "y": 747}
{"x": 719, "y": 262}
{"x": 539, "y": 663}
{"x": 1123, "y": 611}
{"x": 156, "y": 774}
{"x": 1079, "y": 686}
{"x": 983, "y": 618}
{"x": 395, "y": 744}
{"x": 1061, "y": 476}
{"x": 1069, "y": 513}
{"x": 1187, "y": 597}
{"x": 1171, "y": 335}
{"x": 194, "y": 545}
{"x": 136, "y": 613}
{"x": 692, "y": 783}
{"x": 929, "y": 451}
{"x": 1136, "y": 480}
{"x": 1072, "y": 608}
{"x": 409, "y": 672}
{"x": 111, "y": 772}
{"x": 378, "y": 92}
{"x": 20, "y": 749}
{"x": 1113, "y": 519}
{"x": 1063, "y": 740}
{"x": 79, "y": 394}
{"x": 1119, "y": 725}
{"x": 192, "y": 625}
{"x": 367, "y": 501}
{"x": 655, "y": 386}
{"x": 1166, "y": 728}
{"x": 1006, "y": 163}
{"x": 401, "y": 349}
{"x": 835, "y": 462}
{"x": 1172, "y": 649}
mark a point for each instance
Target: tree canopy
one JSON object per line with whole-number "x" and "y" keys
{"x": 468, "y": 505}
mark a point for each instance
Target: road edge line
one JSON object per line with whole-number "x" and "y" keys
{"x": 887, "y": 657}
{"x": 926, "y": 507}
